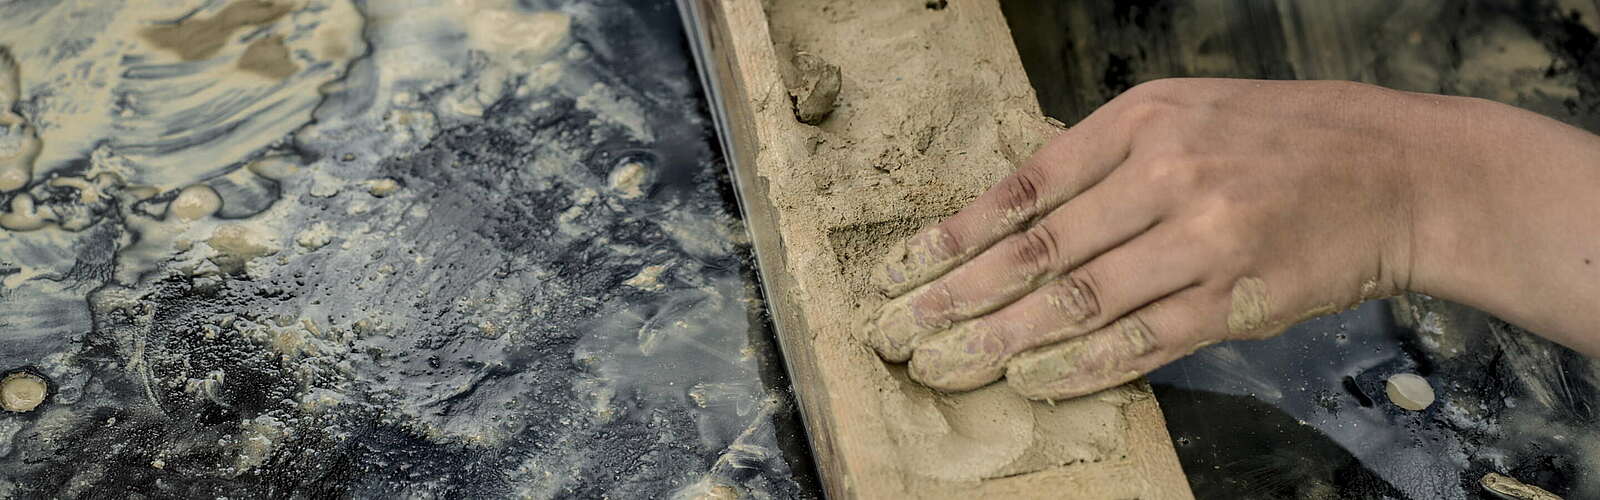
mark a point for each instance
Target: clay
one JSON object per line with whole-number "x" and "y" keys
{"x": 1251, "y": 307}
{"x": 382, "y": 187}
{"x": 195, "y": 202}
{"x": 1409, "y": 391}
{"x": 22, "y": 392}
{"x": 202, "y": 37}
{"x": 24, "y": 215}
{"x": 236, "y": 245}
{"x": 630, "y": 179}
{"x": 895, "y": 329}
{"x": 818, "y": 88}
{"x": 648, "y": 279}
{"x": 1514, "y": 489}
{"x": 268, "y": 57}
{"x": 19, "y": 143}
{"x": 932, "y": 108}
{"x": 1070, "y": 368}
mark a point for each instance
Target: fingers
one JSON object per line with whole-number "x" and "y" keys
{"x": 1123, "y": 351}
{"x": 1078, "y": 231}
{"x": 1081, "y": 301}
{"x": 1062, "y": 168}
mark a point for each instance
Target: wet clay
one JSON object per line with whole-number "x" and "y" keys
{"x": 1250, "y": 308}
{"x": 268, "y": 57}
{"x": 1409, "y": 391}
{"x": 202, "y": 37}
{"x": 195, "y": 202}
{"x": 22, "y": 392}
{"x": 19, "y": 143}
{"x": 819, "y": 88}
{"x": 932, "y": 107}
{"x": 1512, "y": 488}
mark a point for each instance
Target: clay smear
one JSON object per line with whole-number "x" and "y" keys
{"x": 1512, "y": 488}
{"x": 949, "y": 439}
{"x": 268, "y": 57}
{"x": 202, "y": 37}
{"x": 1251, "y": 307}
{"x": 19, "y": 143}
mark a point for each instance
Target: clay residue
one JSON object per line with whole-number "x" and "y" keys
{"x": 817, "y": 90}
{"x": 630, "y": 180}
{"x": 1409, "y": 391}
{"x": 19, "y": 143}
{"x": 22, "y": 392}
{"x": 964, "y": 438}
{"x": 200, "y": 38}
{"x": 195, "y": 202}
{"x": 268, "y": 57}
{"x": 912, "y": 136}
{"x": 1512, "y": 488}
{"x": 236, "y": 245}
{"x": 1251, "y": 308}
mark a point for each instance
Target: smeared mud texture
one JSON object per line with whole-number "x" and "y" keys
{"x": 1304, "y": 415}
{"x": 323, "y": 248}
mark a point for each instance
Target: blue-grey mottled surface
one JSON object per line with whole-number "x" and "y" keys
{"x": 485, "y": 249}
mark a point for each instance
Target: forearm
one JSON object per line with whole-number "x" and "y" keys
{"x": 1509, "y": 222}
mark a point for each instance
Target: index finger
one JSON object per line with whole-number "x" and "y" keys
{"x": 1065, "y": 166}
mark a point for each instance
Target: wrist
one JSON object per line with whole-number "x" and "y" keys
{"x": 1454, "y": 152}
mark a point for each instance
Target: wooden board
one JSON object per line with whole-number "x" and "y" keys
{"x": 935, "y": 107}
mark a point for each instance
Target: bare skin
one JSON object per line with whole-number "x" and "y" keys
{"x": 1187, "y": 212}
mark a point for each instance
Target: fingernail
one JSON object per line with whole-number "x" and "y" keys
{"x": 964, "y": 359}
{"x": 895, "y": 331}
{"x": 913, "y": 261}
{"x": 1041, "y": 369}
{"x": 1082, "y": 365}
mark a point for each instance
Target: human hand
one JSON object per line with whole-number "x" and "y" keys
{"x": 1181, "y": 213}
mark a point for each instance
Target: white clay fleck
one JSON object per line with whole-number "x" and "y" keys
{"x": 317, "y": 236}
{"x": 629, "y": 180}
{"x": 382, "y": 187}
{"x": 22, "y": 392}
{"x": 1409, "y": 391}
{"x": 648, "y": 278}
{"x": 195, "y": 202}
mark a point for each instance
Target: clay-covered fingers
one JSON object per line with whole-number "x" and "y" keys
{"x": 1074, "y": 233}
{"x": 1083, "y": 300}
{"x": 1062, "y": 168}
{"x": 1124, "y": 350}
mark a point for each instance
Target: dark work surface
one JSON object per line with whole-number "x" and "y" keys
{"x": 492, "y": 329}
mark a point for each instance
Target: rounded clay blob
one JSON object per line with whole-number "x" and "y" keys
{"x": 24, "y": 216}
{"x": 382, "y": 187}
{"x": 1409, "y": 391}
{"x": 630, "y": 180}
{"x": 22, "y": 392}
{"x": 196, "y": 202}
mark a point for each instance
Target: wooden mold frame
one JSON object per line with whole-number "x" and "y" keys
{"x": 821, "y": 203}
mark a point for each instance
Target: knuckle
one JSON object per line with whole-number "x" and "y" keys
{"x": 942, "y": 241}
{"x": 1077, "y": 296}
{"x": 1035, "y": 250}
{"x": 938, "y": 242}
{"x": 1136, "y": 335}
{"x": 1178, "y": 173}
{"x": 1155, "y": 88}
{"x": 1019, "y": 194}
{"x": 934, "y": 306}
{"x": 1222, "y": 230}
{"x": 1148, "y": 102}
